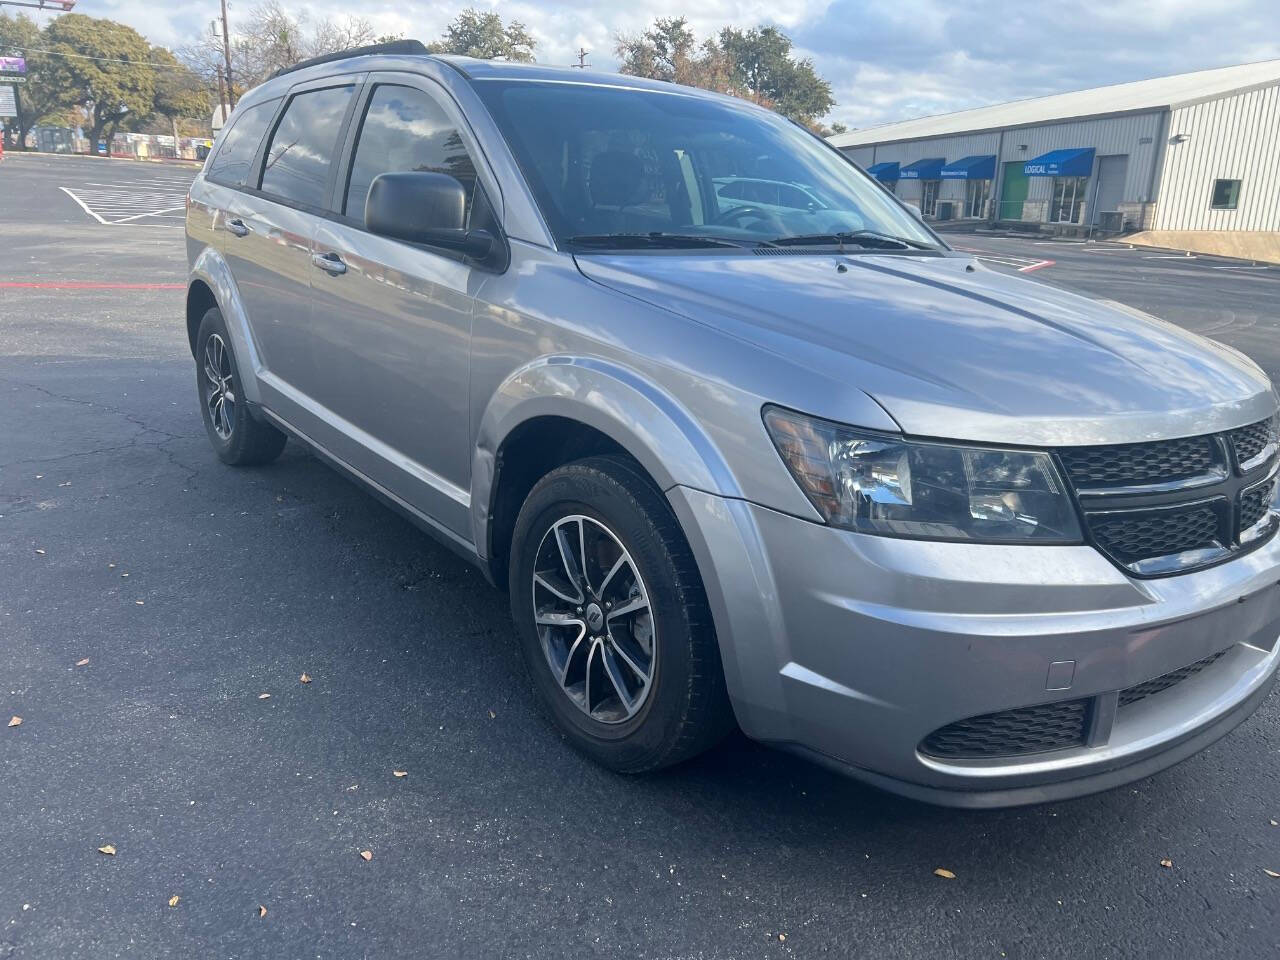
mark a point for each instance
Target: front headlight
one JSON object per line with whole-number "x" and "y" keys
{"x": 892, "y": 487}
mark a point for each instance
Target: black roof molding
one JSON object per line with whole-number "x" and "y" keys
{"x": 394, "y": 48}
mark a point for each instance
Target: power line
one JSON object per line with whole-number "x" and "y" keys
{"x": 84, "y": 56}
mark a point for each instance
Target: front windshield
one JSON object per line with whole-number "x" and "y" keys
{"x": 610, "y": 161}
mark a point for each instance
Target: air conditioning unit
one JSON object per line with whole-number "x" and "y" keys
{"x": 1111, "y": 221}
{"x": 946, "y": 210}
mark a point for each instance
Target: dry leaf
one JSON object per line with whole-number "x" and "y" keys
{"x": 1166, "y": 863}
{"x": 264, "y": 696}
{"x": 782, "y": 937}
{"x": 109, "y": 850}
{"x": 1271, "y": 873}
{"x": 262, "y": 911}
{"x": 82, "y": 663}
{"x": 944, "y": 874}
{"x": 399, "y": 773}
{"x": 173, "y": 901}
{"x": 15, "y": 721}
{"x": 366, "y": 855}
{"x": 304, "y": 679}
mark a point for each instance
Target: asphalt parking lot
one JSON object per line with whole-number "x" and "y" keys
{"x": 157, "y": 610}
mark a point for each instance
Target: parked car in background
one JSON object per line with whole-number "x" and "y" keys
{"x": 796, "y": 466}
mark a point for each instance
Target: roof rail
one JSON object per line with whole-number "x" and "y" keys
{"x": 394, "y": 47}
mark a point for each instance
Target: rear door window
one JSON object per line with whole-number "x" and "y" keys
{"x": 231, "y": 164}
{"x": 405, "y": 129}
{"x": 305, "y": 146}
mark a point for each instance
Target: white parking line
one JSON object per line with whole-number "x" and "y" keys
{"x": 1171, "y": 256}
{"x": 131, "y": 203}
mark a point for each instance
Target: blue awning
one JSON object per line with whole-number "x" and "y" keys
{"x": 1076, "y": 162}
{"x": 884, "y": 171}
{"x": 929, "y": 169}
{"x": 971, "y": 168}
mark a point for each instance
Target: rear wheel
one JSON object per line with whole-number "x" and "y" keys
{"x": 237, "y": 438}
{"x": 613, "y": 619}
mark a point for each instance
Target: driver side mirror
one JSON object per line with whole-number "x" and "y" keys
{"x": 915, "y": 211}
{"x": 425, "y": 208}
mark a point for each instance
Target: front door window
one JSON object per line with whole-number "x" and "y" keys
{"x": 1068, "y": 196}
{"x": 977, "y": 193}
{"x": 929, "y": 197}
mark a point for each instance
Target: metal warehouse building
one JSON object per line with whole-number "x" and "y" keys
{"x": 1193, "y": 159}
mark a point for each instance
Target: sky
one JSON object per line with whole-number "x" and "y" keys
{"x": 886, "y": 60}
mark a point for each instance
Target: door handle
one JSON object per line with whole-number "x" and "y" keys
{"x": 330, "y": 263}
{"x": 237, "y": 226}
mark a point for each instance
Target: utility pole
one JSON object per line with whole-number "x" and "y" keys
{"x": 582, "y": 59}
{"x": 226, "y": 54}
{"x": 222, "y": 97}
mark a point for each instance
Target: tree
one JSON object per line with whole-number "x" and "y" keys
{"x": 37, "y": 98}
{"x": 669, "y": 51}
{"x": 766, "y": 72}
{"x": 476, "y": 33}
{"x": 270, "y": 38}
{"x": 180, "y": 92}
{"x": 102, "y": 65}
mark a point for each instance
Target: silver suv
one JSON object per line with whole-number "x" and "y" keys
{"x": 803, "y": 469}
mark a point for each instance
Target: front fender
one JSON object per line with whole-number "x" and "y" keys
{"x": 643, "y": 419}
{"x": 210, "y": 268}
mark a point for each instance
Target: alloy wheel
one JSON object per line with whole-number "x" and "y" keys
{"x": 594, "y": 619}
{"x": 220, "y": 395}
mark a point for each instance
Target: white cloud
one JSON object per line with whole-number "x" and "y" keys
{"x": 885, "y": 60}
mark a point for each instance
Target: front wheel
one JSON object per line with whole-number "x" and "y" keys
{"x": 613, "y": 619}
{"x": 237, "y": 438}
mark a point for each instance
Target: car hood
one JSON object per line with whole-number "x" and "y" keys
{"x": 952, "y": 349}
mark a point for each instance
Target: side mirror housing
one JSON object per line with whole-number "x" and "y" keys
{"x": 426, "y": 208}
{"x": 915, "y": 211}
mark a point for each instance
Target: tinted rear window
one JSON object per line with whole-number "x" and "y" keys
{"x": 305, "y": 146}
{"x": 230, "y": 165}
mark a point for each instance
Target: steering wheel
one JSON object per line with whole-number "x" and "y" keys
{"x": 733, "y": 215}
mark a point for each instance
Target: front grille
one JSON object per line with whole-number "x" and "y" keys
{"x": 1151, "y": 687}
{"x": 1131, "y": 464}
{"x": 1168, "y": 506}
{"x": 1132, "y": 537}
{"x": 1255, "y": 503}
{"x": 1011, "y": 733}
{"x": 1252, "y": 440}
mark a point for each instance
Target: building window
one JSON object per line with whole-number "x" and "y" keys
{"x": 1068, "y": 195}
{"x": 977, "y": 193}
{"x": 929, "y": 197}
{"x": 1226, "y": 195}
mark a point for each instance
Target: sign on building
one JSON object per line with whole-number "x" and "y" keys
{"x": 13, "y": 65}
{"x": 8, "y": 103}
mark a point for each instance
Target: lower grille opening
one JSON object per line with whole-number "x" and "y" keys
{"x": 1011, "y": 733}
{"x": 1150, "y": 688}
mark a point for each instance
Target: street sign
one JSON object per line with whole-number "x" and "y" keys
{"x": 8, "y": 104}
{"x": 13, "y": 64}
{"x": 6, "y": 79}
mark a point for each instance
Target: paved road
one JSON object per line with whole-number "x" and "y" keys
{"x": 192, "y": 589}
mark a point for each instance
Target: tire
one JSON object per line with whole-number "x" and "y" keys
{"x": 237, "y": 438}
{"x": 655, "y": 596}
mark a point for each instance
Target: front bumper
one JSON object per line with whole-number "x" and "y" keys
{"x": 853, "y": 649}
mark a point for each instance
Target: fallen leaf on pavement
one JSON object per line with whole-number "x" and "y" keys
{"x": 781, "y": 937}
{"x": 262, "y": 911}
{"x": 82, "y": 663}
{"x": 366, "y": 855}
{"x": 264, "y": 696}
{"x": 15, "y": 721}
{"x": 944, "y": 874}
{"x": 399, "y": 773}
{"x": 1271, "y": 873}
{"x": 109, "y": 850}
{"x": 173, "y": 901}
{"x": 304, "y": 679}
{"x": 1166, "y": 863}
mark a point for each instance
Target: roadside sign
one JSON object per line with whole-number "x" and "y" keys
{"x": 8, "y": 104}
{"x": 6, "y": 79}
{"x": 13, "y": 65}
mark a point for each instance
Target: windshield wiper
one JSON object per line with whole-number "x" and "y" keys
{"x": 858, "y": 238}
{"x": 657, "y": 240}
